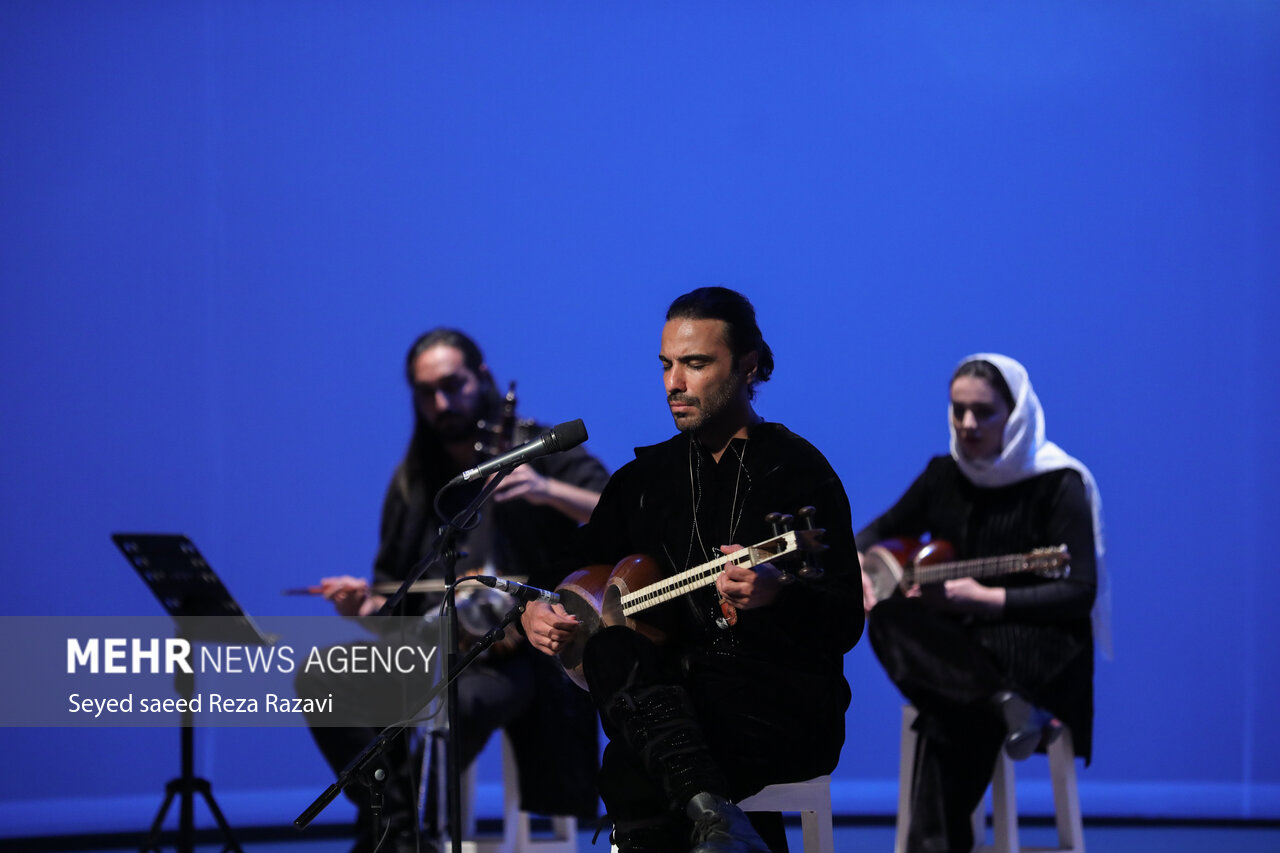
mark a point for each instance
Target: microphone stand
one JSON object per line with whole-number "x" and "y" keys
{"x": 358, "y": 767}
{"x": 443, "y": 550}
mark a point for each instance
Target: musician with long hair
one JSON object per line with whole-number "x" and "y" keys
{"x": 459, "y": 418}
{"x": 995, "y": 662}
{"x": 748, "y": 688}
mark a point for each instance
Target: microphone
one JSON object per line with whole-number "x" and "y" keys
{"x": 519, "y": 591}
{"x": 560, "y": 437}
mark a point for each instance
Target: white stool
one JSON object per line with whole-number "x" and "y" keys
{"x": 812, "y": 799}
{"x": 1004, "y": 804}
{"x": 517, "y": 836}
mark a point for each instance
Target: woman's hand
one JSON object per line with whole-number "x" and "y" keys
{"x": 962, "y": 595}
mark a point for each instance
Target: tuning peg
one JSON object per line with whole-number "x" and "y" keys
{"x": 810, "y": 571}
{"x": 809, "y": 568}
{"x": 780, "y": 524}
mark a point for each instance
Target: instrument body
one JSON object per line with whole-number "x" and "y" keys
{"x": 603, "y": 596}
{"x": 896, "y": 565}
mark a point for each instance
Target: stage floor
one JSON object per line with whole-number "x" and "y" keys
{"x": 850, "y": 838}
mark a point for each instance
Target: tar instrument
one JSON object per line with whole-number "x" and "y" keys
{"x": 604, "y": 596}
{"x": 896, "y": 565}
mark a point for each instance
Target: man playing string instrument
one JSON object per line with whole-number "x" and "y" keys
{"x": 719, "y": 710}
{"x": 457, "y": 412}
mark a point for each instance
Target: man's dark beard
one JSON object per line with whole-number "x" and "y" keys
{"x": 454, "y": 426}
{"x": 708, "y": 407}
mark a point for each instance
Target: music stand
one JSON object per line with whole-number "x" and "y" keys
{"x": 190, "y": 591}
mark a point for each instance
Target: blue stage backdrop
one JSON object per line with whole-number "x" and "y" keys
{"x": 223, "y": 222}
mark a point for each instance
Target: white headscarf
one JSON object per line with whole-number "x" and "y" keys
{"x": 1026, "y": 453}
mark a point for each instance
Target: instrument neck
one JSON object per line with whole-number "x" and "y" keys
{"x": 501, "y": 431}
{"x": 982, "y": 567}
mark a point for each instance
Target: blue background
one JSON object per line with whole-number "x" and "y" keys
{"x": 223, "y": 223}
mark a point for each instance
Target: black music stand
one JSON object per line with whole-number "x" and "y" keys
{"x": 190, "y": 591}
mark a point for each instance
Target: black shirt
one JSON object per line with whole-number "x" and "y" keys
{"x": 649, "y": 505}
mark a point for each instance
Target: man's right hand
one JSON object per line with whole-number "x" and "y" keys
{"x": 548, "y": 626}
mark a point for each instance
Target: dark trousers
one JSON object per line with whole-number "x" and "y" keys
{"x": 762, "y": 724}
{"x": 950, "y": 679}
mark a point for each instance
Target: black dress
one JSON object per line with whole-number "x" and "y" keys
{"x": 949, "y": 666}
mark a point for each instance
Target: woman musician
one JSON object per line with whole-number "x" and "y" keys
{"x": 1005, "y": 661}
{"x": 456, "y": 408}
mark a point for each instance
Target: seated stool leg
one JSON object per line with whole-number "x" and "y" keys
{"x": 434, "y": 775}
{"x": 819, "y": 835}
{"x": 1004, "y": 805}
{"x": 1066, "y": 794}
{"x": 564, "y": 828}
{"x": 515, "y": 823}
{"x": 906, "y": 778}
{"x": 468, "y": 795}
{"x": 979, "y": 823}
{"x": 1062, "y": 770}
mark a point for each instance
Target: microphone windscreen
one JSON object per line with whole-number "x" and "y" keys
{"x": 568, "y": 434}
